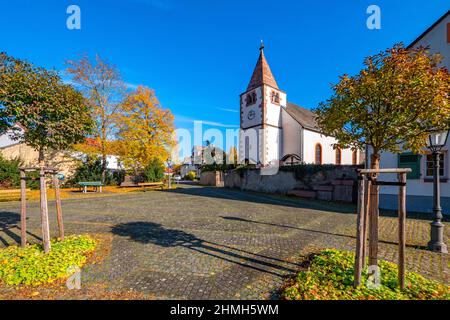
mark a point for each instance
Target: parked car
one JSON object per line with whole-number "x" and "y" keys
{"x": 177, "y": 177}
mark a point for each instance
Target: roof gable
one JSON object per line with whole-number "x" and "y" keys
{"x": 429, "y": 29}
{"x": 306, "y": 118}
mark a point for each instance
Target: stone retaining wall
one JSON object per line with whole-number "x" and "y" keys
{"x": 212, "y": 178}
{"x": 333, "y": 183}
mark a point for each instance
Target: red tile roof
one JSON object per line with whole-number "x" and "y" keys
{"x": 262, "y": 73}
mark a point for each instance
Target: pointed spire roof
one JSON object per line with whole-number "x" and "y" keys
{"x": 262, "y": 73}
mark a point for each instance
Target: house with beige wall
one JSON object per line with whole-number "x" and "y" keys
{"x": 420, "y": 181}
{"x": 65, "y": 162}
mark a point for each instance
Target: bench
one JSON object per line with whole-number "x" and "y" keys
{"x": 145, "y": 185}
{"x": 97, "y": 186}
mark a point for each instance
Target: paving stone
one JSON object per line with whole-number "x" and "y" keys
{"x": 210, "y": 243}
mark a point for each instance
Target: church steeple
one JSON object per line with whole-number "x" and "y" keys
{"x": 262, "y": 73}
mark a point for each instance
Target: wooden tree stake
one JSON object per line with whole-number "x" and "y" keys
{"x": 373, "y": 225}
{"x": 366, "y": 220}
{"x": 44, "y": 211}
{"x": 401, "y": 229}
{"x": 370, "y": 204}
{"x": 360, "y": 231}
{"x": 23, "y": 212}
{"x": 58, "y": 206}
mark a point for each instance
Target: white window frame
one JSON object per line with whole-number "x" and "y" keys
{"x": 445, "y": 154}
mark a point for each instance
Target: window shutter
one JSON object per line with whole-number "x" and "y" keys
{"x": 410, "y": 160}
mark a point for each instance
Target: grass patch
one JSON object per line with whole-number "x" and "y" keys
{"x": 31, "y": 266}
{"x": 73, "y": 193}
{"x": 330, "y": 276}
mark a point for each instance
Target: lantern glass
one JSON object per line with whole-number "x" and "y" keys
{"x": 437, "y": 139}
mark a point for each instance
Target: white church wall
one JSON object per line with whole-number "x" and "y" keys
{"x": 273, "y": 110}
{"x": 273, "y": 123}
{"x": 251, "y": 115}
{"x": 311, "y": 139}
{"x": 253, "y": 150}
{"x": 273, "y": 137}
{"x": 291, "y": 134}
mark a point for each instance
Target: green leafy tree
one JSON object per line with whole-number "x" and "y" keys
{"x": 53, "y": 115}
{"x": 91, "y": 169}
{"x": 154, "y": 171}
{"x": 9, "y": 172}
{"x": 10, "y": 176}
{"x": 391, "y": 105}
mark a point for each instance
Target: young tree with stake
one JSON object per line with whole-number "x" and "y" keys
{"x": 391, "y": 105}
{"x": 52, "y": 115}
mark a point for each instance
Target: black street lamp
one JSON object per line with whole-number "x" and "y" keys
{"x": 435, "y": 142}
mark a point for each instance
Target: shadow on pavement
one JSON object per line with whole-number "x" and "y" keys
{"x": 271, "y": 199}
{"x": 149, "y": 232}
{"x": 8, "y": 222}
{"x": 262, "y": 198}
{"x": 315, "y": 231}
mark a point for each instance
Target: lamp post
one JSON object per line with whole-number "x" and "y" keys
{"x": 435, "y": 142}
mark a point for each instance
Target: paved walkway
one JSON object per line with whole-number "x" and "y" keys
{"x": 204, "y": 243}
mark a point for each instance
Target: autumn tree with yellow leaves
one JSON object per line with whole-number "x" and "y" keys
{"x": 145, "y": 130}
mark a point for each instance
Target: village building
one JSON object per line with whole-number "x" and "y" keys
{"x": 66, "y": 161}
{"x": 275, "y": 131}
{"x": 420, "y": 181}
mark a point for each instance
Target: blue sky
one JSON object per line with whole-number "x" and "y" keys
{"x": 199, "y": 54}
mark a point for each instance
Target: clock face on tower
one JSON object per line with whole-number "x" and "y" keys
{"x": 251, "y": 115}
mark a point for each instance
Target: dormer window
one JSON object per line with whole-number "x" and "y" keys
{"x": 250, "y": 98}
{"x": 275, "y": 97}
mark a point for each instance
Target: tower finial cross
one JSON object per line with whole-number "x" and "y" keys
{"x": 262, "y": 45}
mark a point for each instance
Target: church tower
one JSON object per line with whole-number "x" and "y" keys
{"x": 260, "y": 109}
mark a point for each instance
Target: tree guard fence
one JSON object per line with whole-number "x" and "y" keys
{"x": 367, "y": 220}
{"x": 43, "y": 172}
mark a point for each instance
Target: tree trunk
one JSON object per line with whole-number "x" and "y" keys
{"x": 104, "y": 168}
{"x": 41, "y": 158}
{"x": 374, "y": 213}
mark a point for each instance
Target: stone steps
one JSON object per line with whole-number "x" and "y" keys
{"x": 309, "y": 194}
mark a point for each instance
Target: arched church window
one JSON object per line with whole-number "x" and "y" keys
{"x": 318, "y": 154}
{"x": 355, "y": 157}
{"x": 338, "y": 156}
